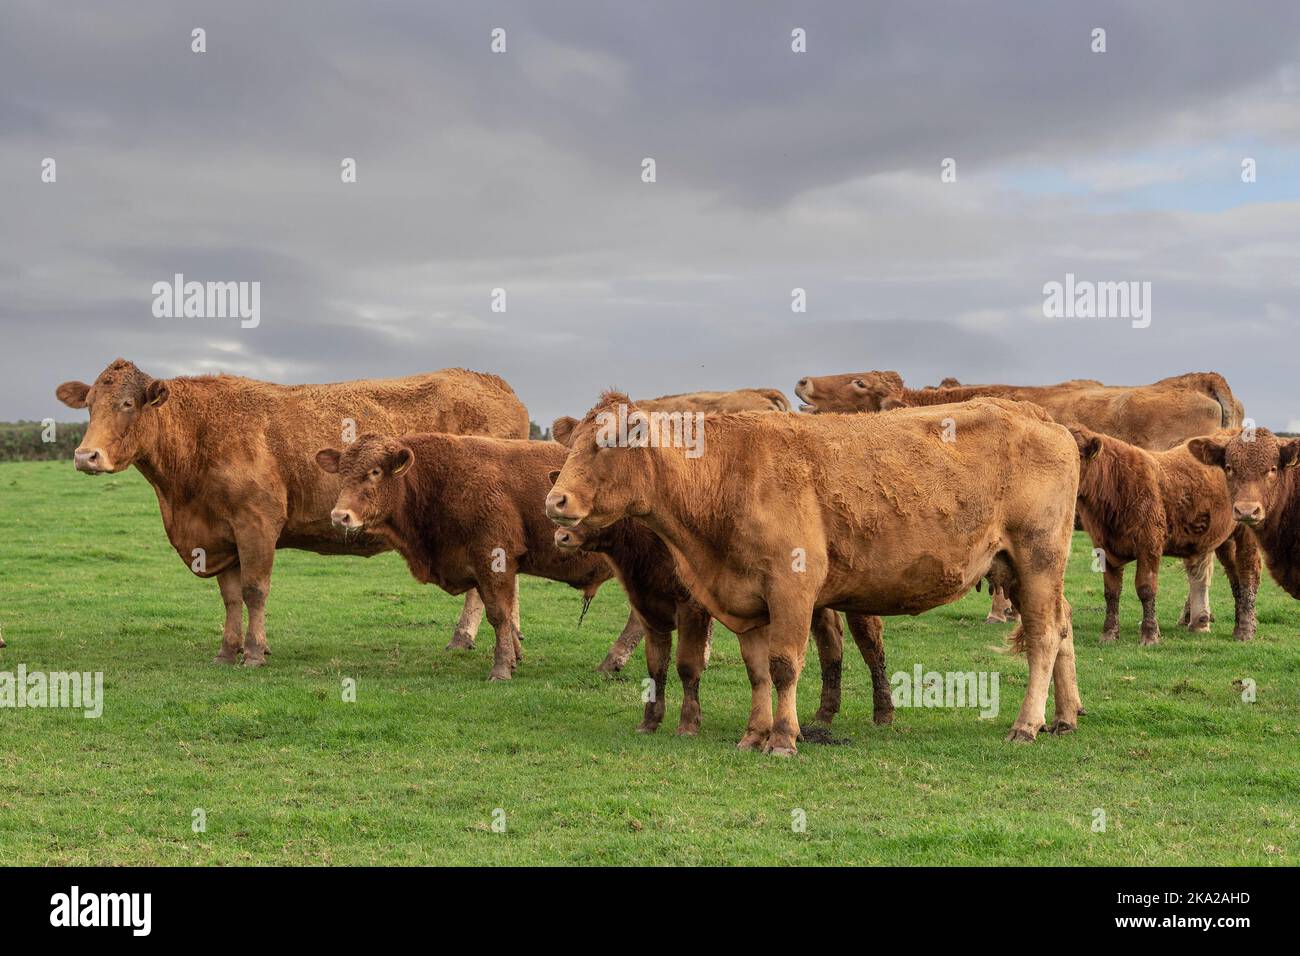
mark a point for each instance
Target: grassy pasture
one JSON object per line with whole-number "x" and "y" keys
{"x": 285, "y": 771}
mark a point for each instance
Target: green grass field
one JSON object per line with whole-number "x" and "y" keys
{"x": 411, "y": 773}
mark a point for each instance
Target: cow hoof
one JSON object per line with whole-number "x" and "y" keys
{"x": 460, "y": 642}
{"x": 1062, "y": 727}
{"x": 1109, "y": 637}
{"x": 688, "y": 730}
{"x": 1242, "y": 636}
{"x": 1020, "y": 735}
{"x": 995, "y": 619}
{"x": 752, "y": 741}
{"x": 1149, "y": 639}
{"x": 254, "y": 660}
{"x": 1202, "y": 625}
{"x": 1082, "y": 712}
{"x": 780, "y": 751}
{"x": 883, "y": 718}
{"x": 224, "y": 658}
{"x": 500, "y": 672}
{"x": 609, "y": 667}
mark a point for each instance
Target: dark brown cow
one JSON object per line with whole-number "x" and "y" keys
{"x": 868, "y": 514}
{"x": 1138, "y": 505}
{"x": 465, "y": 512}
{"x": 658, "y": 595}
{"x": 231, "y": 462}
{"x": 1264, "y": 487}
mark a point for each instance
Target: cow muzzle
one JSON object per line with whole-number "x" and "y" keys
{"x": 92, "y": 461}
{"x": 566, "y": 540}
{"x": 348, "y": 521}
{"x": 560, "y": 509}
{"x": 1248, "y": 512}
{"x": 803, "y": 390}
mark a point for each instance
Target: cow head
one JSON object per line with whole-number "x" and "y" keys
{"x": 372, "y": 469}
{"x": 854, "y": 392}
{"x": 1255, "y": 470}
{"x": 1089, "y": 443}
{"x": 122, "y": 404}
{"x": 601, "y": 481}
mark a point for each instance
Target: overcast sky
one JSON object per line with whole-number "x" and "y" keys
{"x": 775, "y": 170}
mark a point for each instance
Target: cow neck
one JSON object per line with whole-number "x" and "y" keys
{"x": 688, "y": 493}
{"x": 170, "y": 456}
{"x": 412, "y": 528}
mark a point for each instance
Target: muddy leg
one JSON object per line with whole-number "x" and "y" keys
{"x": 232, "y": 635}
{"x": 1113, "y": 584}
{"x": 869, "y": 633}
{"x": 829, "y": 638}
{"x": 1064, "y": 679}
{"x": 256, "y": 556}
{"x": 1197, "y": 608}
{"x": 1039, "y": 634}
{"x": 658, "y": 648}
{"x": 471, "y": 615}
{"x": 621, "y": 650}
{"x": 694, "y": 629}
{"x": 1240, "y": 558}
{"x": 498, "y": 592}
{"x": 1147, "y": 578}
{"x": 754, "y": 650}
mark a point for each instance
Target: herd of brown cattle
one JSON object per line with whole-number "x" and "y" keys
{"x": 778, "y": 522}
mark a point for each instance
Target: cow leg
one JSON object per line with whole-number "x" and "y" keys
{"x": 658, "y": 649}
{"x": 621, "y": 650}
{"x": 232, "y": 635}
{"x": 1240, "y": 558}
{"x": 869, "y": 633}
{"x": 829, "y": 638}
{"x": 1197, "y": 609}
{"x": 1146, "y": 578}
{"x": 1001, "y": 609}
{"x": 787, "y": 642}
{"x": 1039, "y": 635}
{"x": 754, "y": 650}
{"x": 498, "y": 601}
{"x": 471, "y": 616}
{"x": 694, "y": 630}
{"x": 256, "y": 556}
{"x": 1113, "y": 584}
{"x": 1064, "y": 678}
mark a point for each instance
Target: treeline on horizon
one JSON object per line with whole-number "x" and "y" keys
{"x": 24, "y": 441}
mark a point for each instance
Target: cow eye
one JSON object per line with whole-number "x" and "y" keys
{"x": 127, "y": 403}
{"x": 375, "y": 472}
{"x": 858, "y": 383}
{"x": 1227, "y": 469}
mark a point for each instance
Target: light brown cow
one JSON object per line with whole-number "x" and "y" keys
{"x": 1264, "y": 487}
{"x": 876, "y": 515}
{"x": 1138, "y": 505}
{"x": 1155, "y": 417}
{"x": 656, "y": 592}
{"x": 710, "y": 403}
{"x": 231, "y": 462}
{"x": 465, "y": 512}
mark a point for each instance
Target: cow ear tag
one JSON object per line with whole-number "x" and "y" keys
{"x": 402, "y": 467}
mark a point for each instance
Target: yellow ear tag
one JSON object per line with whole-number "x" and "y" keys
{"x": 156, "y": 400}
{"x": 404, "y": 466}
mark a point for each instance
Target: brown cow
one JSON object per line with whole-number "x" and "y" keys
{"x": 657, "y": 594}
{"x": 230, "y": 461}
{"x": 711, "y": 403}
{"x": 867, "y": 514}
{"x": 1138, "y": 505}
{"x": 465, "y": 512}
{"x": 1155, "y": 417}
{"x": 1264, "y": 488}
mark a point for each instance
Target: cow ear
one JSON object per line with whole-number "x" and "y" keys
{"x": 402, "y": 460}
{"x": 890, "y": 402}
{"x": 554, "y": 477}
{"x": 328, "y": 459}
{"x": 156, "y": 392}
{"x": 1207, "y": 451}
{"x": 562, "y": 429}
{"x": 1089, "y": 444}
{"x": 1289, "y": 454}
{"x": 72, "y": 394}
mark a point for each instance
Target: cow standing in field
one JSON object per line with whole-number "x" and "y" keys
{"x": 230, "y": 460}
{"x": 875, "y": 515}
{"x": 1264, "y": 488}
{"x": 1155, "y": 417}
{"x": 657, "y": 594}
{"x": 465, "y": 512}
{"x": 1138, "y": 505}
